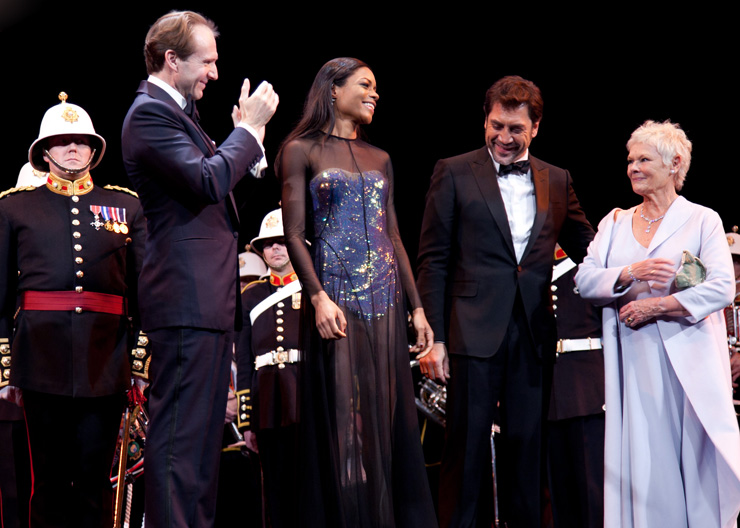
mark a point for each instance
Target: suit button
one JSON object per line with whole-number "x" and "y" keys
{"x": 519, "y": 268}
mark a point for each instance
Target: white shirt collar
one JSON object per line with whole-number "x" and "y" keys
{"x": 177, "y": 96}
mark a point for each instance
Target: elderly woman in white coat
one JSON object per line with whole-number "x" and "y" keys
{"x": 672, "y": 454}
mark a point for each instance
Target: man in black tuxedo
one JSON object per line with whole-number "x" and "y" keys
{"x": 190, "y": 272}
{"x": 491, "y": 222}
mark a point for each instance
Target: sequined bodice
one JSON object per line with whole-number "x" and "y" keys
{"x": 354, "y": 254}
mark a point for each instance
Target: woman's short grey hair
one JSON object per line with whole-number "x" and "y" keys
{"x": 670, "y": 141}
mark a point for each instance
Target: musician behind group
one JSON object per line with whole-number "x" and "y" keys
{"x": 267, "y": 352}
{"x": 733, "y": 312}
{"x": 70, "y": 252}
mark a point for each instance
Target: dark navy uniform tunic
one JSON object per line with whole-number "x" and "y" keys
{"x": 51, "y": 242}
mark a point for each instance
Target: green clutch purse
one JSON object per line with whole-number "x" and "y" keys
{"x": 692, "y": 271}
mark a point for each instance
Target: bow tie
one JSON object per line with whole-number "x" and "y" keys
{"x": 520, "y": 167}
{"x": 191, "y": 110}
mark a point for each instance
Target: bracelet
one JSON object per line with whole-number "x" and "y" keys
{"x": 629, "y": 272}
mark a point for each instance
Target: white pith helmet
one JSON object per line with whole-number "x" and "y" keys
{"x": 60, "y": 120}
{"x": 251, "y": 265}
{"x": 271, "y": 227}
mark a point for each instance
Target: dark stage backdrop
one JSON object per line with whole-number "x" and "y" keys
{"x": 602, "y": 74}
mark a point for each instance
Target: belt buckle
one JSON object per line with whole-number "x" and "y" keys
{"x": 280, "y": 358}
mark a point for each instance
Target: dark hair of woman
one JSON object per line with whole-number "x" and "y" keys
{"x": 318, "y": 110}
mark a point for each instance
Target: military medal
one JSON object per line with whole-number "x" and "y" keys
{"x": 97, "y": 224}
{"x": 115, "y": 219}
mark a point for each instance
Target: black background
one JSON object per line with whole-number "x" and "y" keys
{"x": 602, "y": 70}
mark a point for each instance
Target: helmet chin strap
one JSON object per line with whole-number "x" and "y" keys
{"x": 67, "y": 170}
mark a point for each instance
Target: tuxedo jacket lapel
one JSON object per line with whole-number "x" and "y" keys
{"x": 541, "y": 180}
{"x": 486, "y": 178}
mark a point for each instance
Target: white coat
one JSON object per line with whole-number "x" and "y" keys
{"x": 695, "y": 344}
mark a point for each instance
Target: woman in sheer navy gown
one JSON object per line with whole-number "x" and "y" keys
{"x": 362, "y": 460}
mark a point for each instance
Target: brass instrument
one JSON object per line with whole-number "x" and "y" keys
{"x": 129, "y": 460}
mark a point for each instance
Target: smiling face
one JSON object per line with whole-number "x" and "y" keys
{"x": 192, "y": 74}
{"x": 355, "y": 101}
{"x": 647, "y": 171}
{"x": 72, "y": 151}
{"x": 509, "y": 132}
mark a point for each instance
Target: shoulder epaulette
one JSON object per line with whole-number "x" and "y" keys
{"x": 14, "y": 190}
{"x": 250, "y": 284}
{"x": 122, "y": 189}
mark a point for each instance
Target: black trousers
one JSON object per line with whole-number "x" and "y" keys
{"x": 576, "y": 471}
{"x": 510, "y": 387}
{"x": 72, "y": 443}
{"x": 278, "y": 456}
{"x": 15, "y": 473}
{"x": 189, "y": 381}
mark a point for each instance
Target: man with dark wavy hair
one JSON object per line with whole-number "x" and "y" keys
{"x": 190, "y": 273}
{"x": 488, "y": 237}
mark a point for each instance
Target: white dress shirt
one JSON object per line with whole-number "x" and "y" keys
{"x": 517, "y": 192}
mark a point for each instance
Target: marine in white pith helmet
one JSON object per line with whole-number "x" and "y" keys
{"x": 271, "y": 227}
{"x": 63, "y": 125}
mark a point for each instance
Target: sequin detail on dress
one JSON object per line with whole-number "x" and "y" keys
{"x": 355, "y": 255}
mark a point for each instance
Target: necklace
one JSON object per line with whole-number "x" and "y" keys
{"x": 650, "y": 221}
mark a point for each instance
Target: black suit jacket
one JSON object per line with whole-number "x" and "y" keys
{"x": 468, "y": 272}
{"x": 190, "y": 273}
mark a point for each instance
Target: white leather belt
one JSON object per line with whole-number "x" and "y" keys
{"x": 575, "y": 345}
{"x": 279, "y": 358}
